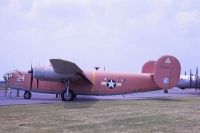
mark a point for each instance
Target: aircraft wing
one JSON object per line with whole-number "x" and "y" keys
{"x": 67, "y": 68}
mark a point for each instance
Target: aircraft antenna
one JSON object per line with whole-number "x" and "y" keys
{"x": 97, "y": 68}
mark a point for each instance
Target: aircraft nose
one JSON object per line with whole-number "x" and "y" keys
{"x": 7, "y": 76}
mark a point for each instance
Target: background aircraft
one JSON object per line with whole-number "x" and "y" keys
{"x": 190, "y": 81}
{"x": 67, "y": 79}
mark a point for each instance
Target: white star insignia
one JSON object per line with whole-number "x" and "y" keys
{"x": 111, "y": 84}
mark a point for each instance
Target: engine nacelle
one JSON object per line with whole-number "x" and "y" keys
{"x": 50, "y": 75}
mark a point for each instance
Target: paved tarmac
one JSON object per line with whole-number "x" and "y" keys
{"x": 39, "y": 98}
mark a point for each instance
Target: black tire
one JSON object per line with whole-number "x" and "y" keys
{"x": 27, "y": 95}
{"x": 69, "y": 98}
{"x": 165, "y": 91}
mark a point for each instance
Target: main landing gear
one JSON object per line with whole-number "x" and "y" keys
{"x": 67, "y": 94}
{"x": 27, "y": 95}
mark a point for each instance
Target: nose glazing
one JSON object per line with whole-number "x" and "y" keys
{"x": 7, "y": 76}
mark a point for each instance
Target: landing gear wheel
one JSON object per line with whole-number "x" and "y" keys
{"x": 70, "y": 96}
{"x": 165, "y": 91}
{"x": 27, "y": 95}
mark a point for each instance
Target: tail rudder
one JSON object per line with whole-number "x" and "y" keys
{"x": 167, "y": 72}
{"x": 148, "y": 67}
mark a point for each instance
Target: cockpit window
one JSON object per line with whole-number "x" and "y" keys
{"x": 7, "y": 76}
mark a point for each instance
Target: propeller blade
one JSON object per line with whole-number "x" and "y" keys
{"x": 31, "y": 72}
{"x": 185, "y": 73}
{"x": 190, "y": 77}
{"x": 31, "y": 83}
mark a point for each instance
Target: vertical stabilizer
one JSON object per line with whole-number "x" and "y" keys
{"x": 167, "y": 72}
{"x": 148, "y": 67}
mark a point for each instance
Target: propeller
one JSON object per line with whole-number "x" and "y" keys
{"x": 31, "y": 83}
{"x": 185, "y": 73}
{"x": 31, "y": 72}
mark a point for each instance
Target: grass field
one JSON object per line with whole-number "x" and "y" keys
{"x": 181, "y": 115}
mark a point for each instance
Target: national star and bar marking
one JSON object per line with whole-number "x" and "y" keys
{"x": 111, "y": 83}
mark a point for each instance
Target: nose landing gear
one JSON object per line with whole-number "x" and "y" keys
{"x": 165, "y": 91}
{"x": 27, "y": 95}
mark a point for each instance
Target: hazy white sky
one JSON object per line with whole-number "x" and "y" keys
{"x": 120, "y": 34}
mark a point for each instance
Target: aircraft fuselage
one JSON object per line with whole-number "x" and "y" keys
{"x": 103, "y": 83}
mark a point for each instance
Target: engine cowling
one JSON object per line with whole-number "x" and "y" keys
{"x": 50, "y": 75}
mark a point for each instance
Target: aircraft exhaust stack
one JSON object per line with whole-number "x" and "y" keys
{"x": 167, "y": 72}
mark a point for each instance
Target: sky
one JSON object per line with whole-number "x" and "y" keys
{"x": 118, "y": 34}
